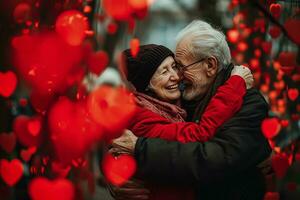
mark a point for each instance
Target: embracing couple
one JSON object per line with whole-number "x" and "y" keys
{"x": 202, "y": 141}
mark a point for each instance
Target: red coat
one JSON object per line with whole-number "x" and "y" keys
{"x": 226, "y": 102}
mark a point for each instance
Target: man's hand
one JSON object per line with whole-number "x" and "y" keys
{"x": 245, "y": 73}
{"x": 131, "y": 190}
{"x": 124, "y": 144}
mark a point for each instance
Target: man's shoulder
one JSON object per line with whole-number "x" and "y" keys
{"x": 254, "y": 98}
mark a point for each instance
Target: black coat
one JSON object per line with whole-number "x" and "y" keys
{"x": 222, "y": 168}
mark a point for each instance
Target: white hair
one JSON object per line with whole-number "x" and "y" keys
{"x": 206, "y": 41}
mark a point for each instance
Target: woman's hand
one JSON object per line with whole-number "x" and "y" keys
{"x": 245, "y": 73}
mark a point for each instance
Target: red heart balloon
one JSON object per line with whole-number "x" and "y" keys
{"x": 275, "y": 9}
{"x": 26, "y": 154}
{"x": 34, "y": 126}
{"x": 22, "y": 12}
{"x": 293, "y": 94}
{"x": 98, "y": 62}
{"x": 11, "y": 172}
{"x": 121, "y": 12}
{"x": 72, "y": 25}
{"x": 72, "y": 129}
{"x": 134, "y": 46}
{"x": 272, "y": 196}
{"x": 8, "y": 142}
{"x": 280, "y": 164}
{"x": 284, "y": 122}
{"x": 59, "y": 169}
{"x": 20, "y": 127}
{"x": 8, "y": 83}
{"x": 44, "y": 189}
{"x": 292, "y": 27}
{"x": 112, "y": 108}
{"x": 44, "y": 61}
{"x": 270, "y": 127}
{"x": 274, "y": 32}
{"x": 267, "y": 47}
{"x": 119, "y": 169}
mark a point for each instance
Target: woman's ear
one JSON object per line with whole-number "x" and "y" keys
{"x": 212, "y": 66}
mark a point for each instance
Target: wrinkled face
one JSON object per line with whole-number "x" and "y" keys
{"x": 195, "y": 76}
{"x": 165, "y": 81}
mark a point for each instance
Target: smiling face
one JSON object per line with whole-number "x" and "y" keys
{"x": 197, "y": 77}
{"x": 165, "y": 81}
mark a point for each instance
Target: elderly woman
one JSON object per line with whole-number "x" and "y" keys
{"x": 156, "y": 79}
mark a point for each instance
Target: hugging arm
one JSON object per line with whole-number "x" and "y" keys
{"x": 226, "y": 102}
{"x": 238, "y": 145}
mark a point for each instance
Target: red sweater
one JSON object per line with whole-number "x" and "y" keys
{"x": 226, "y": 102}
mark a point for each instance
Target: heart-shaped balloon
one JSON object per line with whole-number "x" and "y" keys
{"x": 284, "y": 123}
{"x": 34, "y": 126}
{"x": 20, "y": 127}
{"x": 72, "y": 129}
{"x": 22, "y": 12}
{"x": 267, "y": 47}
{"x": 8, "y": 83}
{"x": 118, "y": 170}
{"x": 274, "y": 32}
{"x": 270, "y": 127}
{"x": 72, "y": 26}
{"x": 44, "y": 61}
{"x": 44, "y": 189}
{"x": 272, "y": 196}
{"x": 280, "y": 164}
{"x": 11, "y": 172}
{"x": 275, "y": 9}
{"x": 8, "y": 142}
{"x": 26, "y": 154}
{"x": 98, "y": 61}
{"x": 134, "y": 46}
{"x": 293, "y": 93}
{"x": 112, "y": 108}
{"x": 292, "y": 27}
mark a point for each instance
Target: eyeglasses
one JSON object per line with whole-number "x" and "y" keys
{"x": 184, "y": 67}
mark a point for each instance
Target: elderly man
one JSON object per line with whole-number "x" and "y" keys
{"x": 226, "y": 166}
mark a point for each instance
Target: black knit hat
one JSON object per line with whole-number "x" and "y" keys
{"x": 141, "y": 68}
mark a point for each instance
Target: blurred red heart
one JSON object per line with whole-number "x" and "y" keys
{"x": 275, "y": 9}
{"x": 272, "y": 196}
{"x": 119, "y": 169}
{"x": 44, "y": 60}
{"x": 72, "y": 129}
{"x": 284, "y": 122}
{"x": 286, "y": 58}
{"x": 134, "y": 46}
{"x": 20, "y": 127}
{"x": 280, "y": 164}
{"x": 8, "y": 142}
{"x": 11, "y": 172}
{"x": 112, "y": 108}
{"x": 44, "y": 189}
{"x": 292, "y": 27}
{"x": 275, "y": 32}
{"x": 26, "y": 154}
{"x": 98, "y": 61}
{"x": 121, "y": 12}
{"x": 293, "y": 94}
{"x": 270, "y": 127}
{"x": 22, "y": 12}
{"x": 8, "y": 83}
{"x": 72, "y": 26}
{"x": 59, "y": 169}
{"x": 267, "y": 47}
{"x": 34, "y": 126}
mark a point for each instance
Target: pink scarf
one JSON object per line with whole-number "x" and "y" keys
{"x": 170, "y": 111}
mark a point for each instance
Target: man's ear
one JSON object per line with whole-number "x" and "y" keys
{"x": 212, "y": 66}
